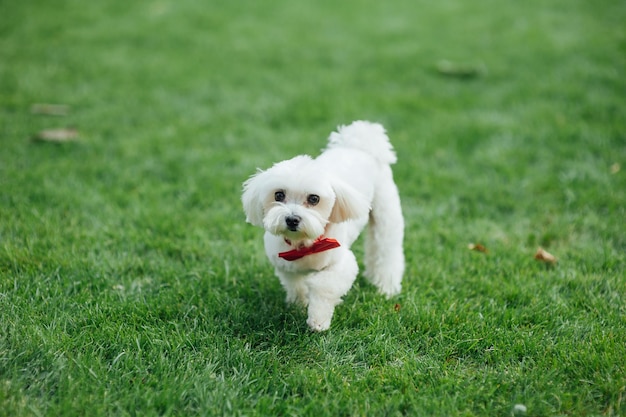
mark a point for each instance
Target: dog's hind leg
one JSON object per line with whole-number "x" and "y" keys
{"x": 384, "y": 256}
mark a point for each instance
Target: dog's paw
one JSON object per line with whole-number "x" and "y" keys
{"x": 318, "y": 326}
{"x": 389, "y": 290}
{"x": 387, "y": 284}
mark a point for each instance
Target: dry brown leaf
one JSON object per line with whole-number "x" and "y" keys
{"x": 57, "y": 135}
{"x": 544, "y": 256}
{"x": 615, "y": 168}
{"x": 397, "y": 307}
{"x": 50, "y": 109}
{"x": 477, "y": 247}
{"x": 461, "y": 70}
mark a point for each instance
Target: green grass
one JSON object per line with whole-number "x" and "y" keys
{"x": 131, "y": 285}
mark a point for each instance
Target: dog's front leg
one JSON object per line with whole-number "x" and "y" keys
{"x": 326, "y": 289}
{"x": 321, "y": 310}
{"x": 295, "y": 286}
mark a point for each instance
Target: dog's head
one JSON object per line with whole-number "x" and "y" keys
{"x": 295, "y": 200}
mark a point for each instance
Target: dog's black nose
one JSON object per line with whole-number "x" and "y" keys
{"x": 293, "y": 222}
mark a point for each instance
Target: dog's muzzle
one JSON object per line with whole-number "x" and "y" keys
{"x": 292, "y": 222}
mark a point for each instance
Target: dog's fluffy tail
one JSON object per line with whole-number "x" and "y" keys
{"x": 366, "y": 136}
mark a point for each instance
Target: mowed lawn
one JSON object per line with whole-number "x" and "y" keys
{"x": 131, "y": 285}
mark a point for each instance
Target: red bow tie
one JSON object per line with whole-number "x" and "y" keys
{"x": 321, "y": 244}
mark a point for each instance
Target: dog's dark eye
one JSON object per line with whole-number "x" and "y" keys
{"x": 313, "y": 199}
{"x": 279, "y": 196}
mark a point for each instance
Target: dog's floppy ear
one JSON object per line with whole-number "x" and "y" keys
{"x": 349, "y": 203}
{"x": 252, "y": 198}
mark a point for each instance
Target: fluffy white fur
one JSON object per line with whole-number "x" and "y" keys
{"x": 354, "y": 184}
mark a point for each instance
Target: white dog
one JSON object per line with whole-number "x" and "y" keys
{"x": 314, "y": 209}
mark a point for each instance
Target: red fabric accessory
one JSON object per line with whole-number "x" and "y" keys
{"x": 321, "y": 244}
